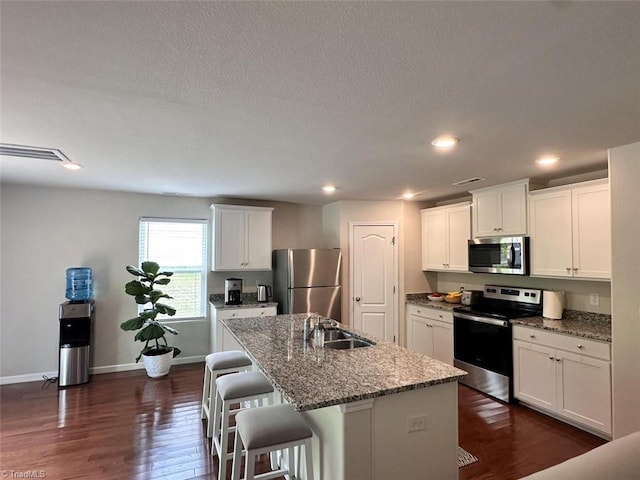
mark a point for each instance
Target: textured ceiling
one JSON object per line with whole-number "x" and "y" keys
{"x": 271, "y": 100}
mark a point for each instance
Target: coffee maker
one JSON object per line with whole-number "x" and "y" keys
{"x": 233, "y": 291}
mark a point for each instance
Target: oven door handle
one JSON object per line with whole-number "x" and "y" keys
{"x": 475, "y": 318}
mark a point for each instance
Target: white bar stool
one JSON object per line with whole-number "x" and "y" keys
{"x": 215, "y": 364}
{"x": 265, "y": 429}
{"x": 231, "y": 389}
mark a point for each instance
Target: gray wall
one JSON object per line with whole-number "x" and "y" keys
{"x": 624, "y": 175}
{"x": 43, "y": 231}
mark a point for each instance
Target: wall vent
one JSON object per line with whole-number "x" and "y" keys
{"x": 468, "y": 181}
{"x": 24, "y": 151}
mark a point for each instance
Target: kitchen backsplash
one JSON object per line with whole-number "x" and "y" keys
{"x": 577, "y": 292}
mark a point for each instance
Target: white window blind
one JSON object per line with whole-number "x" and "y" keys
{"x": 179, "y": 246}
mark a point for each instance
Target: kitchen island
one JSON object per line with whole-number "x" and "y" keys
{"x": 377, "y": 412}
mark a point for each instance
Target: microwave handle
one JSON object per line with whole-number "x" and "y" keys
{"x": 512, "y": 255}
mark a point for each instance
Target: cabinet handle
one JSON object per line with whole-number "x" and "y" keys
{"x": 575, "y": 270}
{"x": 419, "y": 311}
{"x": 532, "y": 336}
{"x": 357, "y": 299}
{"x": 550, "y": 357}
{"x": 233, "y": 314}
{"x": 580, "y": 345}
{"x": 558, "y": 359}
{"x": 568, "y": 269}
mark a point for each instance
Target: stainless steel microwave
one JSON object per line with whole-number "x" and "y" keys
{"x": 507, "y": 255}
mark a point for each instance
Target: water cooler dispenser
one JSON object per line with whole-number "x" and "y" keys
{"x": 76, "y": 328}
{"x": 76, "y": 325}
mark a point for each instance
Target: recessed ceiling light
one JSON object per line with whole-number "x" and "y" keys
{"x": 329, "y": 188}
{"x": 408, "y": 195}
{"x": 445, "y": 141}
{"x": 71, "y": 165}
{"x": 547, "y": 160}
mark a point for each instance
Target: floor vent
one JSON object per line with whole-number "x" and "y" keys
{"x": 468, "y": 181}
{"x": 24, "y": 151}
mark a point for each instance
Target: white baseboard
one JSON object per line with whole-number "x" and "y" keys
{"x": 37, "y": 377}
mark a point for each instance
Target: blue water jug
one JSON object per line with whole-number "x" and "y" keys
{"x": 79, "y": 284}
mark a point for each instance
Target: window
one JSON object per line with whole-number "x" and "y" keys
{"x": 179, "y": 246}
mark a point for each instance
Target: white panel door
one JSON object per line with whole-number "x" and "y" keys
{"x": 435, "y": 254}
{"x": 258, "y": 240}
{"x": 459, "y": 220}
{"x": 229, "y": 247}
{"x": 373, "y": 279}
{"x": 534, "y": 372}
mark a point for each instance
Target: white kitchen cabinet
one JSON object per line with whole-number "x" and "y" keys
{"x": 241, "y": 238}
{"x": 500, "y": 211}
{"x": 571, "y": 231}
{"x": 430, "y": 332}
{"x": 221, "y": 339}
{"x": 564, "y": 375}
{"x": 445, "y": 234}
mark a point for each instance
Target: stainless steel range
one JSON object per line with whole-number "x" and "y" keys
{"x": 482, "y": 341}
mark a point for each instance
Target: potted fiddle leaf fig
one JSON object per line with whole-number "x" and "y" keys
{"x": 156, "y": 353}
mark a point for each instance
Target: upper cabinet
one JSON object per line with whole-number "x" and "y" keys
{"x": 241, "y": 238}
{"x": 500, "y": 211}
{"x": 571, "y": 231}
{"x": 445, "y": 234}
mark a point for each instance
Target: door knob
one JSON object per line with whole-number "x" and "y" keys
{"x": 357, "y": 299}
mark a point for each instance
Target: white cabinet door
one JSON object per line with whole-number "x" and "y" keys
{"x": 258, "y": 240}
{"x": 551, "y": 239}
{"x": 513, "y": 204}
{"x": 487, "y": 216}
{"x": 443, "y": 342}
{"x": 445, "y": 233}
{"x": 534, "y": 374}
{"x": 501, "y": 210}
{"x": 434, "y": 239}
{"x": 459, "y": 234}
{"x": 421, "y": 336}
{"x": 571, "y": 231}
{"x": 584, "y": 390}
{"x": 228, "y": 239}
{"x": 241, "y": 238}
{"x": 591, "y": 231}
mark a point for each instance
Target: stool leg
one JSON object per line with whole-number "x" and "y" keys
{"x": 249, "y": 465}
{"x": 308, "y": 459}
{"x": 216, "y": 424}
{"x": 212, "y": 400}
{"x": 205, "y": 394}
{"x": 224, "y": 441}
{"x": 291, "y": 462}
{"x": 237, "y": 458}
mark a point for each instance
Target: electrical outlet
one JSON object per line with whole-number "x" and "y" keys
{"x": 594, "y": 299}
{"x": 417, "y": 423}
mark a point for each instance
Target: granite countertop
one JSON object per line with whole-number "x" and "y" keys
{"x": 581, "y": 324}
{"x": 249, "y": 300}
{"x": 595, "y": 326}
{"x": 422, "y": 300}
{"x": 315, "y": 378}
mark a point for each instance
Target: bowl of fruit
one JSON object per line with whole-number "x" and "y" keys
{"x": 453, "y": 297}
{"x": 436, "y": 297}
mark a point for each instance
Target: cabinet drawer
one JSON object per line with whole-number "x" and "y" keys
{"x": 246, "y": 312}
{"x": 569, "y": 343}
{"x": 430, "y": 313}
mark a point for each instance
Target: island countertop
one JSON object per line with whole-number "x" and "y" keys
{"x": 311, "y": 378}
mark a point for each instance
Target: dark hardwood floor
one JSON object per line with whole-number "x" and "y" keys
{"x": 127, "y": 426}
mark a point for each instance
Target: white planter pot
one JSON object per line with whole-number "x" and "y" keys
{"x": 157, "y": 365}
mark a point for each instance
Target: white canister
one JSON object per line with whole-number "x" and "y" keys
{"x": 552, "y": 304}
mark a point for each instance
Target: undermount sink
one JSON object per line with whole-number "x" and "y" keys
{"x": 347, "y": 344}
{"x": 333, "y": 334}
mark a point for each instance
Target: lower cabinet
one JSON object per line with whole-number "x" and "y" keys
{"x": 221, "y": 339}
{"x": 430, "y": 332}
{"x": 564, "y": 375}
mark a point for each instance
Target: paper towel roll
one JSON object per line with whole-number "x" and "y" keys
{"x": 552, "y": 304}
